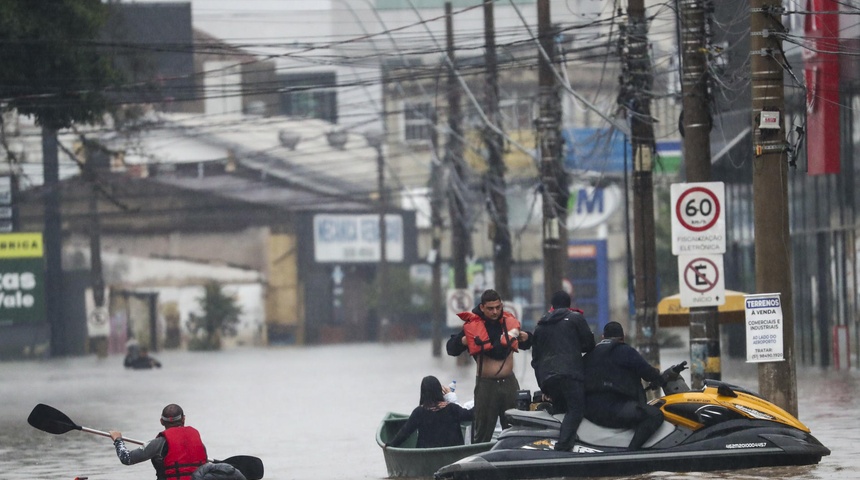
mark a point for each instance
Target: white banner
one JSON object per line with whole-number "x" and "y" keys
{"x": 764, "y": 327}
{"x": 355, "y": 238}
{"x": 98, "y": 324}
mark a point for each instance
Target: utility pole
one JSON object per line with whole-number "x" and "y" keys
{"x": 383, "y": 238}
{"x": 496, "y": 187}
{"x": 454, "y": 162}
{"x": 553, "y": 177}
{"x": 460, "y": 235}
{"x": 704, "y": 321}
{"x": 636, "y": 96}
{"x": 96, "y": 161}
{"x": 53, "y": 243}
{"x": 777, "y": 380}
{"x": 437, "y": 301}
{"x": 377, "y": 141}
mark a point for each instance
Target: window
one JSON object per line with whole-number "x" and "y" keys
{"x": 418, "y": 120}
{"x": 309, "y": 96}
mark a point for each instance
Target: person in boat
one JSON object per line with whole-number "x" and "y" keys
{"x": 141, "y": 361}
{"x": 560, "y": 338}
{"x": 491, "y": 336}
{"x": 614, "y": 396}
{"x": 175, "y": 453}
{"x": 437, "y": 420}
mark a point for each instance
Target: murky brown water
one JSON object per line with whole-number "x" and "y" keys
{"x": 309, "y": 413}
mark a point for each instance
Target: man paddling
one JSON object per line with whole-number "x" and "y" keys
{"x": 175, "y": 453}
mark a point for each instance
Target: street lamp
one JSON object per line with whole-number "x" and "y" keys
{"x": 376, "y": 140}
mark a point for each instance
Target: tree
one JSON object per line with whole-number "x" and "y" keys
{"x": 220, "y": 317}
{"x": 54, "y": 71}
{"x": 53, "y": 67}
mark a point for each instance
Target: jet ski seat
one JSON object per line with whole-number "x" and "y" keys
{"x": 588, "y": 431}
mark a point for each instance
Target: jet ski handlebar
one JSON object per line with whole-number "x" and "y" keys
{"x": 668, "y": 375}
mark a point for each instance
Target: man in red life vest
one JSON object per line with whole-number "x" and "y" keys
{"x": 175, "y": 453}
{"x": 491, "y": 336}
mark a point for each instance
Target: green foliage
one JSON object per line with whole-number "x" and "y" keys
{"x": 220, "y": 317}
{"x": 52, "y": 67}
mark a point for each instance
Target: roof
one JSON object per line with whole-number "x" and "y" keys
{"x": 254, "y": 161}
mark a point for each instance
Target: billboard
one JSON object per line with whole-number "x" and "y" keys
{"x": 22, "y": 278}
{"x": 608, "y": 150}
{"x": 355, "y": 238}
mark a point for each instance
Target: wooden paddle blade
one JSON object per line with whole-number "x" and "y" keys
{"x": 49, "y": 419}
{"x": 251, "y": 467}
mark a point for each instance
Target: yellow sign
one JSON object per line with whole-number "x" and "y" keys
{"x": 670, "y": 313}
{"x": 21, "y": 245}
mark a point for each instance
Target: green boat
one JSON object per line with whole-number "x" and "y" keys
{"x": 409, "y": 461}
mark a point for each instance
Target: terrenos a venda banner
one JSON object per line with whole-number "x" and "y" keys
{"x": 22, "y": 278}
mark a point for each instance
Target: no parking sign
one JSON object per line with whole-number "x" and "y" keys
{"x": 702, "y": 282}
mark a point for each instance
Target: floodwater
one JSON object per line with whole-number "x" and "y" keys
{"x": 311, "y": 412}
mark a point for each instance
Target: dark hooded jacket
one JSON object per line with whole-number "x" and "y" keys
{"x": 615, "y": 367}
{"x": 559, "y": 340}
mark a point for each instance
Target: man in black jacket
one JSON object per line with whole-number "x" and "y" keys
{"x": 561, "y": 337}
{"x": 614, "y": 395}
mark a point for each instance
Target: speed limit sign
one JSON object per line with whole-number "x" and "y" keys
{"x": 698, "y": 218}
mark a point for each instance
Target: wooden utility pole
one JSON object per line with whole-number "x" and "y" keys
{"x": 454, "y": 162}
{"x": 777, "y": 380}
{"x": 704, "y": 321}
{"x": 495, "y": 184}
{"x": 53, "y": 242}
{"x": 377, "y": 141}
{"x": 553, "y": 179}
{"x": 437, "y": 301}
{"x": 460, "y": 235}
{"x": 96, "y": 161}
{"x": 639, "y": 80}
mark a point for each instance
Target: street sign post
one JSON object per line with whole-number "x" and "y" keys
{"x": 457, "y": 300}
{"x": 698, "y": 218}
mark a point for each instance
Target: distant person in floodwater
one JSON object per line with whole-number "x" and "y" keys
{"x": 141, "y": 361}
{"x": 437, "y": 420}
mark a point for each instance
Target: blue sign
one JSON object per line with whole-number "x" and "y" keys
{"x": 600, "y": 150}
{"x": 607, "y": 150}
{"x": 588, "y": 273}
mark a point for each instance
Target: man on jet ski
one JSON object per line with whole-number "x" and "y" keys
{"x": 561, "y": 337}
{"x": 492, "y": 336}
{"x": 614, "y": 396}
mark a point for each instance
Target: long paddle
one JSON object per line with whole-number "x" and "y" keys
{"x": 49, "y": 419}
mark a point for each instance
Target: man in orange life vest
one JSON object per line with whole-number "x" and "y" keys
{"x": 175, "y": 453}
{"x": 491, "y": 336}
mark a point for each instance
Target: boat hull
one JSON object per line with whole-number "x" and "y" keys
{"x": 408, "y": 461}
{"x": 755, "y": 447}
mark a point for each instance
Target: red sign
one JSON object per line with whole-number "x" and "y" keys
{"x": 822, "y": 80}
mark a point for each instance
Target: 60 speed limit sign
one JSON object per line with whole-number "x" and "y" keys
{"x": 698, "y": 218}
